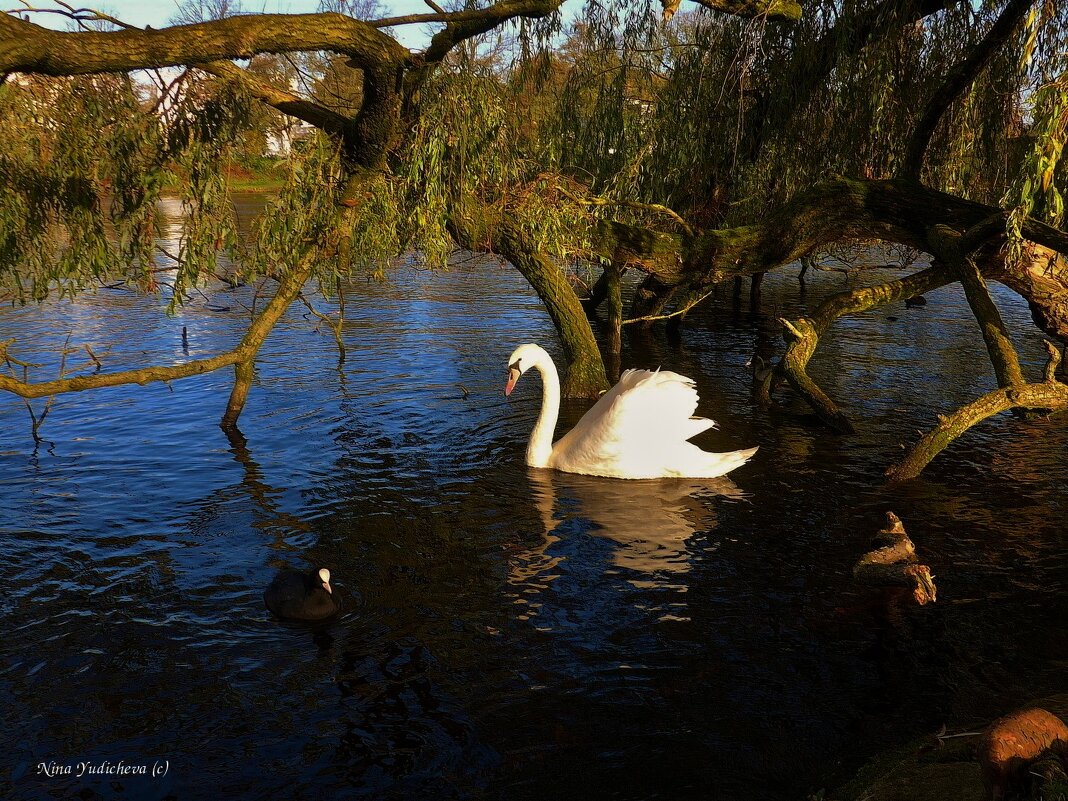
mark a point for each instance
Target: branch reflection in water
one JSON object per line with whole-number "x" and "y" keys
{"x": 647, "y": 526}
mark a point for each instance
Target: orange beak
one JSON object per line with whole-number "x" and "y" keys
{"x": 513, "y": 376}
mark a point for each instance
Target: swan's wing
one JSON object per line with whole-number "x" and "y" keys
{"x": 659, "y": 406}
{"x": 638, "y": 417}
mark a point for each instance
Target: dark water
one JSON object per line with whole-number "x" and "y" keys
{"x": 509, "y": 633}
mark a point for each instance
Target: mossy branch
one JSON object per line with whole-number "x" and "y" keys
{"x": 945, "y": 242}
{"x": 836, "y": 210}
{"x": 245, "y": 352}
{"x": 1051, "y": 395}
{"x": 783, "y": 10}
{"x": 656, "y": 208}
{"x": 284, "y": 101}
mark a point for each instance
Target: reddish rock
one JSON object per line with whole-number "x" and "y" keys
{"x": 1014, "y": 741}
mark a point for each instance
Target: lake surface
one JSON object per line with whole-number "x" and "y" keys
{"x": 508, "y": 633}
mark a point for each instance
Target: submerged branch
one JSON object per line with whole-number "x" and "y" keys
{"x": 336, "y": 327}
{"x": 1046, "y": 396}
{"x": 893, "y": 562}
{"x": 245, "y": 351}
{"x": 803, "y": 335}
{"x": 945, "y": 242}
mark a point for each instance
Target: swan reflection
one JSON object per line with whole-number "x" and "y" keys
{"x": 640, "y": 530}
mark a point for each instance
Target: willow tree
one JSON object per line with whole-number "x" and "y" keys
{"x": 693, "y": 143}
{"x": 728, "y": 147}
{"x": 87, "y": 161}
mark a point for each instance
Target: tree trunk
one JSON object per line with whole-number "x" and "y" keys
{"x": 584, "y": 375}
{"x": 243, "y": 375}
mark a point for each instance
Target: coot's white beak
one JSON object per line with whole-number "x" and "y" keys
{"x": 513, "y": 376}
{"x": 324, "y": 575}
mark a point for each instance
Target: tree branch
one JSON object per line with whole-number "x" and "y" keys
{"x": 288, "y": 103}
{"x": 26, "y": 47}
{"x": 945, "y": 242}
{"x": 1049, "y": 395}
{"x": 630, "y": 204}
{"x": 244, "y": 352}
{"x": 783, "y": 10}
{"x": 489, "y": 18}
{"x": 843, "y": 208}
{"x": 958, "y": 80}
{"x": 803, "y": 335}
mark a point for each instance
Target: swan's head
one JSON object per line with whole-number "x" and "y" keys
{"x": 324, "y": 576}
{"x": 522, "y": 359}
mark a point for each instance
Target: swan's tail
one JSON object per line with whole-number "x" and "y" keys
{"x": 712, "y": 465}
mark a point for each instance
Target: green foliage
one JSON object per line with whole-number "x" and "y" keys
{"x": 1039, "y": 188}
{"x": 68, "y": 142}
{"x": 305, "y": 220}
{"x": 469, "y": 143}
{"x": 81, "y": 179}
{"x": 1042, "y": 177}
{"x": 722, "y": 118}
{"x": 79, "y": 200}
{"x": 716, "y": 117}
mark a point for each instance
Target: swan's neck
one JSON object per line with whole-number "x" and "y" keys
{"x": 541, "y": 438}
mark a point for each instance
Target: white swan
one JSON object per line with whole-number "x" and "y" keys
{"x": 638, "y": 429}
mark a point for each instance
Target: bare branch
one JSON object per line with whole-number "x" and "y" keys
{"x": 652, "y": 318}
{"x": 79, "y": 15}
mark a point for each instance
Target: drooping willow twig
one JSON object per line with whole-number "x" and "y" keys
{"x": 335, "y": 327}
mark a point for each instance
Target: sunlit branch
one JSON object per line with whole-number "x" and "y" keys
{"x": 27, "y": 47}
{"x": 651, "y": 318}
{"x": 1049, "y": 395}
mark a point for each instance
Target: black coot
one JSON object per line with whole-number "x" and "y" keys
{"x": 294, "y": 595}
